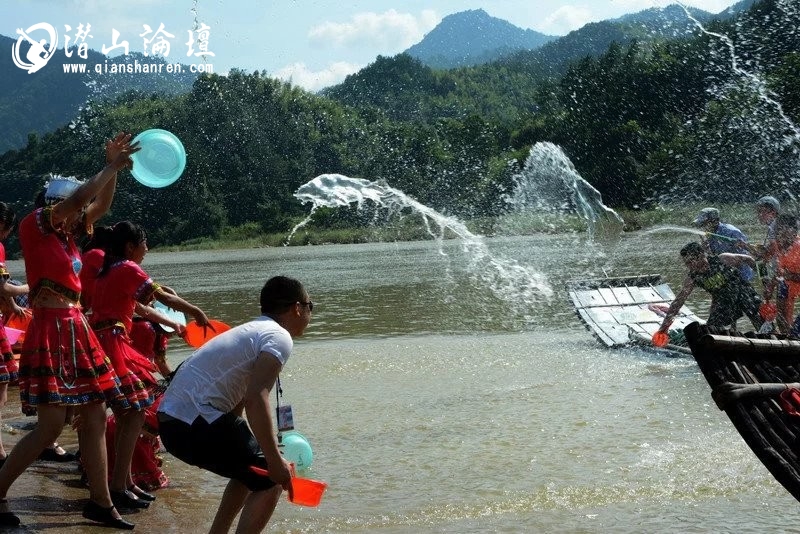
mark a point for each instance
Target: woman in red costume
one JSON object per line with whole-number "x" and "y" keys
{"x": 61, "y": 363}
{"x": 149, "y": 340}
{"x": 120, "y": 286}
{"x": 8, "y": 365}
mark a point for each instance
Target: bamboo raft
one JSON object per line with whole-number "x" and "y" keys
{"x": 628, "y": 310}
{"x": 748, "y": 376}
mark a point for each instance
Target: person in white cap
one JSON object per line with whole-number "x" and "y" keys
{"x": 723, "y": 238}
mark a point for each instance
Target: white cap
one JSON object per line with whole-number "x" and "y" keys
{"x": 60, "y": 187}
{"x": 706, "y": 215}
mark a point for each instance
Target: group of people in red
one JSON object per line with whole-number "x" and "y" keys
{"x": 79, "y": 356}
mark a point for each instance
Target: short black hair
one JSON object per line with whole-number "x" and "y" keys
{"x": 692, "y": 249}
{"x": 279, "y": 293}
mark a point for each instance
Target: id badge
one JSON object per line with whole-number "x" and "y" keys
{"x": 285, "y": 418}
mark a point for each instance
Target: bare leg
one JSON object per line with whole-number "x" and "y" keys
{"x": 232, "y": 501}
{"x": 258, "y": 508}
{"x": 92, "y": 441}
{"x": 129, "y": 426}
{"x": 3, "y": 399}
{"x": 50, "y": 424}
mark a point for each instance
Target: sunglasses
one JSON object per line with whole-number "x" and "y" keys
{"x": 309, "y": 304}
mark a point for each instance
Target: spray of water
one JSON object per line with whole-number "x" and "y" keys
{"x": 518, "y": 285}
{"x": 549, "y": 184}
{"x": 678, "y": 229}
{"x": 751, "y": 80}
{"x": 745, "y": 144}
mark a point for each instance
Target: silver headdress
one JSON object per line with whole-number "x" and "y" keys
{"x": 60, "y": 187}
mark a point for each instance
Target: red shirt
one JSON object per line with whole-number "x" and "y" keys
{"x": 789, "y": 263}
{"x": 117, "y": 292}
{"x": 52, "y": 259}
{"x": 92, "y": 263}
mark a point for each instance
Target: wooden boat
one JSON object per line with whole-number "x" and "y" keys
{"x": 628, "y": 310}
{"x": 748, "y": 375}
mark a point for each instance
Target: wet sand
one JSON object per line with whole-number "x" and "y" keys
{"x": 49, "y": 496}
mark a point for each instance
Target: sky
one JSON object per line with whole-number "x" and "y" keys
{"x": 313, "y": 44}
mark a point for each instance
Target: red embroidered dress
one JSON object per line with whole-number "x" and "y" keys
{"x": 61, "y": 360}
{"x": 8, "y": 365}
{"x": 116, "y": 293}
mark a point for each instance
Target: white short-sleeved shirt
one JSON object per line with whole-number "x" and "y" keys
{"x": 213, "y": 380}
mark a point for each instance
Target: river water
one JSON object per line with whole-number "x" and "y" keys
{"x": 433, "y": 405}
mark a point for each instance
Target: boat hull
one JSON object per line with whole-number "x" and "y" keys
{"x": 767, "y": 428}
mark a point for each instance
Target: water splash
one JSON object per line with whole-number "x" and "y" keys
{"x": 550, "y": 184}
{"x": 745, "y": 122}
{"x": 516, "y": 284}
{"x": 678, "y": 229}
{"x": 752, "y": 80}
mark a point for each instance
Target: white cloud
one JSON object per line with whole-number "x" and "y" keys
{"x": 390, "y": 31}
{"x": 566, "y": 19}
{"x": 633, "y": 6}
{"x": 300, "y": 74}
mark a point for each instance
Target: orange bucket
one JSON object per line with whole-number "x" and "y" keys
{"x": 306, "y": 491}
{"x": 197, "y": 335}
{"x": 303, "y": 492}
{"x": 768, "y": 311}
{"x": 19, "y": 322}
{"x": 660, "y": 339}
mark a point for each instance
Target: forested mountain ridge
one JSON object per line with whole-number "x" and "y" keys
{"x": 523, "y": 69}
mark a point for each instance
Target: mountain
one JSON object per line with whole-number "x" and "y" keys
{"x": 50, "y": 98}
{"x": 409, "y": 88}
{"x": 738, "y": 7}
{"x": 593, "y": 39}
{"x": 664, "y": 21}
{"x": 472, "y": 38}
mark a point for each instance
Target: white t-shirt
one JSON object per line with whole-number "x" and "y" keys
{"x": 213, "y": 380}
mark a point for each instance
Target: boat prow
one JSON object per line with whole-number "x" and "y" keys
{"x": 750, "y": 376}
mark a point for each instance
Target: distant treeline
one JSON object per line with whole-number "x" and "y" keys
{"x": 644, "y": 123}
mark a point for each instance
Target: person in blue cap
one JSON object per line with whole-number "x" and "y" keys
{"x": 723, "y": 238}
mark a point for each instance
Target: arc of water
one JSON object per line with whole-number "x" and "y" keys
{"x": 755, "y": 81}
{"x": 510, "y": 281}
{"x": 549, "y": 181}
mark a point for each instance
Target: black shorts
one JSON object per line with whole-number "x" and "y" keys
{"x": 226, "y": 447}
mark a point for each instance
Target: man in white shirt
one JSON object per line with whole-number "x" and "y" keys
{"x": 200, "y": 415}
